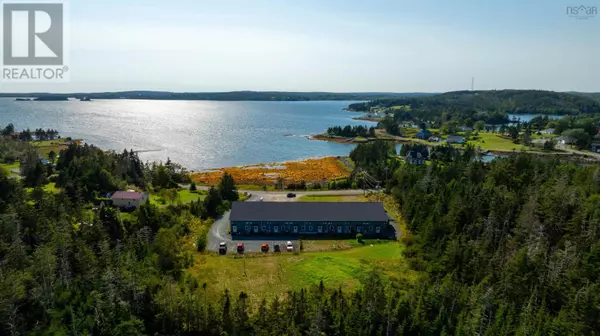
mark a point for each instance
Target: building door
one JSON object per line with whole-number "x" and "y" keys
{"x": 295, "y": 229}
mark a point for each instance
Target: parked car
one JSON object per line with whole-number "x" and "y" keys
{"x": 289, "y": 246}
{"x": 240, "y": 248}
{"x": 291, "y": 195}
{"x": 264, "y": 248}
{"x": 222, "y": 248}
{"x": 276, "y": 248}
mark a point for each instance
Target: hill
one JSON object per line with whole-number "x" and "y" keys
{"x": 501, "y": 101}
{"x": 222, "y": 96}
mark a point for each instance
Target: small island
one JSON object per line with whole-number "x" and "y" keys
{"x": 52, "y": 98}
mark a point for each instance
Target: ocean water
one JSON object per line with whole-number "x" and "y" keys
{"x": 197, "y": 134}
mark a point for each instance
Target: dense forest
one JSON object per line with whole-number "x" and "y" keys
{"x": 491, "y": 107}
{"x": 503, "y": 248}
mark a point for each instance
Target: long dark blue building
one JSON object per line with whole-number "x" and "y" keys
{"x": 300, "y": 218}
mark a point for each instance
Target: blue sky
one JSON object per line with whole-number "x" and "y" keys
{"x": 328, "y": 45}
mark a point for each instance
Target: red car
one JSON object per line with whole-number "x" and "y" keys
{"x": 240, "y": 248}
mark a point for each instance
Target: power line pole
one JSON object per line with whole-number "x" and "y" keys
{"x": 472, "y": 83}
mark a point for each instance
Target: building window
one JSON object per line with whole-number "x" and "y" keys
{"x": 320, "y": 229}
{"x": 303, "y": 228}
{"x": 283, "y": 229}
{"x": 295, "y": 229}
{"x": 255, "y": 228}
{"x": 331, "y": 228}
{"x": 233, "y": 228}
{"x": 339, "y": 229}
{"x": 247, "y": 228}
{"x": 370, "y": 228}
{"x": 264, "y": 228}
{"x": 310, "y": 228}
{"x": 377, "y": 229}
{"x": 358, "y": 229}
{"x": 275, "y": 229}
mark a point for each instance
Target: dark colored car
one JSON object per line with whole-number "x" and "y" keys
{"x": 240, "y": 248}
{"x": 276, "y": 248}
{"x": 264, "y": 248}
{"x": 291, "y": 195}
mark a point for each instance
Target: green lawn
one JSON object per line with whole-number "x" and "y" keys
{"x": 276, "y": 274}
{"x": 46, "y": 146}
{"x": 491, "y": 141}
{"x": 332, "y": 198}
{"x": 49, "y": 188}
{"x": 255, "y": 187}
{"x": 10, "y": 166}
{"x": 185, "y": 196}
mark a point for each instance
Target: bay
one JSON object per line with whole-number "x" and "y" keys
{"x": 197, "y": 134}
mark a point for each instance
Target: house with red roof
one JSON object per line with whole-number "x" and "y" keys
{"x": 128, "y": 199}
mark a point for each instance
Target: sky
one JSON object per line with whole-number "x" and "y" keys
{"x": 327, "y": 45}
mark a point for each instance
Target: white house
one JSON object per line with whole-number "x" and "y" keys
{"x": 547, "y": 131}
{"x": 129, "y": 199}
{"x": 565, "y": 140}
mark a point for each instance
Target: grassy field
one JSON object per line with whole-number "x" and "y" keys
{"x": 49, "y": 188}
{"x": 185, "y": 196}
{"x": 255, "y": 187}
{"x": 332, "y": 198}
{"x": 47, "y": 146}
{"x": 491, "y": 141}
{"x": 10, "y": 166}
{"x": 273, "y": 275}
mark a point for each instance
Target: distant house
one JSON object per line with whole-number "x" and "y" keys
{"x": 547, "y": 131}
{"x": 415, "y": 157}
{"x": 423, "y": 134}
{"x": 466, "y": 129}
{"x": 434, "y": 139}
{"x": 128, "y": 199}
{"x": 455, "y": 139}
{"x": 565, "y": 140}
{"x": 595, "y": 147}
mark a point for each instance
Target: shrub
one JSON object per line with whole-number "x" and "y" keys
{"x": 359, "y": 238}
{"x": 193, "y": 187}
{"x": 201, "y": 243}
